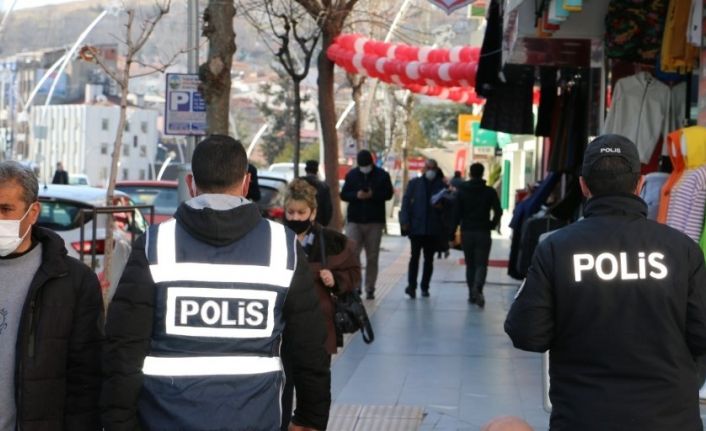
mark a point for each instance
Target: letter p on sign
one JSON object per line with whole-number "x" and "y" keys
{"x": 179, "y": 101}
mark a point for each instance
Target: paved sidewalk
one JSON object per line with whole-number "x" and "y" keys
{"x": 437, "y": 363}
{"x": 440, "y": 356}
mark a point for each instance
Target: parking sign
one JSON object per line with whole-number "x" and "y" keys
{"x": 185, "y": 110}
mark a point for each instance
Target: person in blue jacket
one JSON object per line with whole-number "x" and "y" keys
{"x": 420, "y": 219}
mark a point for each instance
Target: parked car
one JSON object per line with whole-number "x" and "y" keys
{"x": 162, "y": 194}
{"x": 78, "y": 180}
{"x": 272, "y": 190}
{"x": 61, "y": 206}
{"x": 284, "y": 169}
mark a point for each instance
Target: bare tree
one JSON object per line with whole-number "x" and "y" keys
{"x": 331, "y": 16}
{"x": 294, "y": 38}
{"x": 135, "y": 40}
{"x": 215, "y": 73}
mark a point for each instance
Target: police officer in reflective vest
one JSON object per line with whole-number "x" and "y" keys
{"x": 210, "y": 305}
{"x": 620, "y": 303}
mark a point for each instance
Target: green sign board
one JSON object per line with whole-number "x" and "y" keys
{"x": 482, "y": 137}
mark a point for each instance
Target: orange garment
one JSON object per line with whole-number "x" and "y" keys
{"x": 675, "y": 154}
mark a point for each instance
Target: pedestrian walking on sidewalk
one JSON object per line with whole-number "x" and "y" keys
{"x": 51, "y": 315}
{"x": 211, "y": 308}
{"x": 333, "y": 261}
{"x": 475, "y": 203}
{"x": 620, "y": 303}
{"x": 60, "y": 175}
{"x": 421, "y": 220}
{"x": 324, "y": 208}
{"x": 366, "y": 189}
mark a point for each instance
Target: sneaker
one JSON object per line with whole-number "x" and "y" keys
{"x": 425, "y": 293}
{"x": 370, "y": 296}
{"x": 411, "y": 291}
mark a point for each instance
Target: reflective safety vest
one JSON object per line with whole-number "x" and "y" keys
{"x": 214, "y": 359}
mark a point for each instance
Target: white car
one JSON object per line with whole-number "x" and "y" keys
{"x": 61, "y": 208}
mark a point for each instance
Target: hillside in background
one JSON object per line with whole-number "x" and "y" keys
{"x": 26, "y": 32}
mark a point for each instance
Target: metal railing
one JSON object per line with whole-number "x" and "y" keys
{"x": 107, "y": 210}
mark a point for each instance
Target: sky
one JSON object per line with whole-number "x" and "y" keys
{"x": 25, "y": 4}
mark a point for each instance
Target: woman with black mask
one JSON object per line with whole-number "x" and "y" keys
{"x": 333, "y": 261}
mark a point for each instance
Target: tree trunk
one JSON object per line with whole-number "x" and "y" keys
{"x": 115, "y": 160}
{"x": 357, "y": 128}
{"x": 215, "y": 73}
{"x": 327, "y": 113}
{"x": 297, "y": 125}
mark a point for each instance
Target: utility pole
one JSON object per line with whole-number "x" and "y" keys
{"x": 192, "y": 41}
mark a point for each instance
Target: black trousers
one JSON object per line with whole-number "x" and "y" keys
{"x": 288, "y": 399}
{"x": 476, "y": 251}
{"x": 426, "y": 244}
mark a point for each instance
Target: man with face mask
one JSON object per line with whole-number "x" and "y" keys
{"x": 51, "y": 314}
{"x": 212, "y": 306}
{"x": 366, "y": 189}
{"x": 420, "y": 219}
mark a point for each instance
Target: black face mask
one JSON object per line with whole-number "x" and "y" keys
{"x": 298, "y": 226}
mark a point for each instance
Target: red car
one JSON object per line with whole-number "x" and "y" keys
{"x": 162, "y": 194}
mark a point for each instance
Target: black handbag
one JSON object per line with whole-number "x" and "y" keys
{"x": 350, "y": 314}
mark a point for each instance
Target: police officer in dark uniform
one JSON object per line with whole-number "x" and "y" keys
{"x": 210, "y": 307}
{"x": 620, "y": 303}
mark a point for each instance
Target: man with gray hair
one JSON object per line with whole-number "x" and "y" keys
{"x": 51, "y": 314}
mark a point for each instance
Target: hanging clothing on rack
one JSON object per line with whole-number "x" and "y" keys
{"x": 569, "y": 133}
{"x": 675, "y": 155}
{"x": 677, "y": 54}
{"x": 686, "y": 207}
{"x": 634, "y": 30}
{"x": 640, "y": 112}
{"x": 508, "y": 107}
{"x": 651, "y": 192}
{"x": 696, "y": 16}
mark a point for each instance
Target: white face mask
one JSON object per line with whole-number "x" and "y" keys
{"x": 10, "y": 237}
{"x": 430, "y": 175}
{"x": 366, "y": 169}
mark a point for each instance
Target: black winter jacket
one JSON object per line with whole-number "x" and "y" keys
{"x": 620, "y": 303}
{"x": 324, "y": 208}
{"x": 57, "y": 373}
{"x": 475, "y": 202}
{"x": 368, "y": 210}
{"x": 131, "y": 316}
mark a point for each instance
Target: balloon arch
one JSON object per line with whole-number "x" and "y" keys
{"x": 445, "y": 73}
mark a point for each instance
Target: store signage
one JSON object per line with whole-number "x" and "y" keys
{"x": 449, "y": 6}
{"x": 185, "y": 110}
{"x": 415, "y": 163}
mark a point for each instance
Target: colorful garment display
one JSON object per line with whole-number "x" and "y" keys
{"x": 651, "y": 192}
{"x": 677, "y": 55}
{"x": 633, "y": 30}
{"x": 686, "y": 206}
{"x": 675, "y": 155}
{"x": 693, "y": 146}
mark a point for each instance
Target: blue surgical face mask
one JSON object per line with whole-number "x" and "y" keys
{"x": 366, "y": 169}
{"x": 431, "y": 175}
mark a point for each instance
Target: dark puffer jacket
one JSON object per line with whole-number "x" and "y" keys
{"x": 58, "y": 368}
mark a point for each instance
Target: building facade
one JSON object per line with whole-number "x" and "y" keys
{"x": 82, "y": 136}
